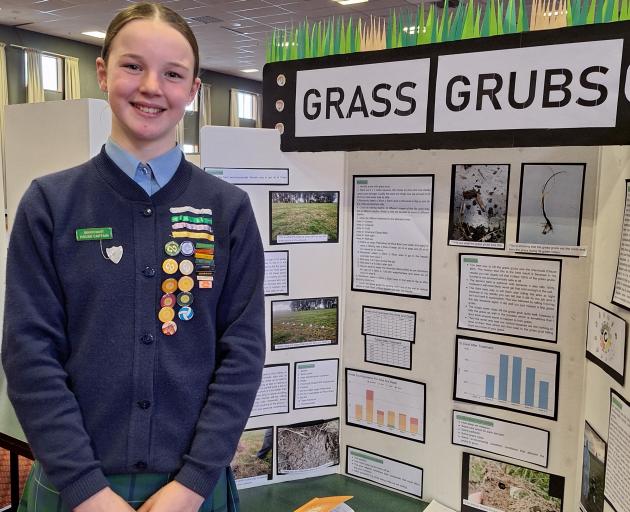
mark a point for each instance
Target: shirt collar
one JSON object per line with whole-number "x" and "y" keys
{"x": 163, "y": 166}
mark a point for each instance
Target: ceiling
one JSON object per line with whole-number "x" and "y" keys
{"x": 231, "y": 33}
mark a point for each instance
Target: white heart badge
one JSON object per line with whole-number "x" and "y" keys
{"x": 114, "y": 253}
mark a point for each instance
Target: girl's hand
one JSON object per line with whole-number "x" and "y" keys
{"x": 173, "y": 497}
{"x": 104, "y": 500}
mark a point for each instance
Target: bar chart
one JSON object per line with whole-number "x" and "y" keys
{"x": 384, "y": 403}
{"x": 507, "y": 376}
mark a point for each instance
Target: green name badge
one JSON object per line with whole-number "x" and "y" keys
{"x": 84, "y": 234}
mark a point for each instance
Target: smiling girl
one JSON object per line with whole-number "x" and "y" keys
{"x": 134, "y": 320}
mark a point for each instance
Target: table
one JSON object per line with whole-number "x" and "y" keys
{"x": 287, "y": 496}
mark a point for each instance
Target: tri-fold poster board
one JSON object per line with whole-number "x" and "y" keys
{"x": 438, "y": 293}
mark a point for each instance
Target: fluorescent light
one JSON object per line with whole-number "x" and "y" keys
{"x": 95, "y": 33}
{"x": 350, "y": 2}
{"x": 252, "y": 70}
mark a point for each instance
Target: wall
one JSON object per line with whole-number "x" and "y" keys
{"x": 434, "y": 350}
{"x": 220, "y": 93}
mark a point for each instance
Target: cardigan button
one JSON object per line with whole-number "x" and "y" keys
{"x": 147, "y": 339}
{"x": 140, "y": 465}
{"x": 148, "y": 271}
{"x": 147, "y": 212}
{"x": 144, "y": 404}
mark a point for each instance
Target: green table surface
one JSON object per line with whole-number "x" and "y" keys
{"x": 287, "y": 496}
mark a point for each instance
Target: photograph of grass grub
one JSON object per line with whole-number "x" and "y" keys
{"x": 479, "y": 196}
{"x": 508, "y": 488}
{"x": 303, "y": 322}
{"x": 593, "y": 471}
{"x": 304, "y": 447}
{"x": 550, "y": 207}
{"x": 254, "y": 455}
{"x": 304, "y": 217}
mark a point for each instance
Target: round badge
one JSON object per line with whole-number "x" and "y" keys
{"x": 170, "y": 266}
{"x": 187, "y": 248}
{"x": 168, "y": 300}
{"x": 166, "y": 314}
{"x": 185, "y": 299}
{"x": 169, "y": 328}
{"x": 172, "y": 248}
{"x": 169, "y": 285}
{"x": 186, "y": 283}
{"x": 186, "y": 267}
{"x": 185, "y": 313}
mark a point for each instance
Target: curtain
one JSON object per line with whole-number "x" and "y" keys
{"x": 72, "y": 84}
{"x": 179, "y": 132}
{"x": 258, "y": 110}
{"x": 4, "y": 100}
{"x": 35, "y": 86}
{"x": 205, "y": 111}
{"x": 234, "y": 107}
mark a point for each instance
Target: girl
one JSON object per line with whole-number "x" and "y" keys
{"x": 134, "y": 331}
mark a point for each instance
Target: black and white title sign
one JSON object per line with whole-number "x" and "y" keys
{"x": 366, "y": 99}
{"x": 561, "y": 87}
{"x": 571, "y": 85}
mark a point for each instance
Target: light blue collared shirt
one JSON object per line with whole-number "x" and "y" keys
{"x": 152, "y": 175}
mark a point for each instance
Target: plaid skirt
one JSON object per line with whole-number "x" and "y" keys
{"x": 40, "y": 495}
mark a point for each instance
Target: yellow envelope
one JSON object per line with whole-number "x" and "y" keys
{"x": 323, "y": 504}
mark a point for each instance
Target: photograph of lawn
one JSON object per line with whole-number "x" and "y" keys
{"x": 303, "y": 322}
{"x": 304, "y": 217}
{"x": 253, "y": 460}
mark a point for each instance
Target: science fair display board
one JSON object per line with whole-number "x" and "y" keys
{"x": 389, "y": 372}
{"x": 495, "y": 255}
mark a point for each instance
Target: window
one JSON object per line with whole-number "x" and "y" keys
{"x": 190, "y": 144}
{"x": 246, "y": 102}
{"x": 51, "y": 72}
{"x": 193, "y": 106}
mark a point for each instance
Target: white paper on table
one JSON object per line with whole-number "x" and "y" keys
{"x": 434, "y": 506}
{"x": 342, "y": 508}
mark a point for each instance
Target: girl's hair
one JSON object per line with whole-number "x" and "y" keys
{"x": 150, "y": 11}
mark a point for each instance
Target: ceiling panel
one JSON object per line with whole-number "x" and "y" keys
{"x": 237, "y": 37}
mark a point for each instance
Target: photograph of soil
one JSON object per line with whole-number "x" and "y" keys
{"x": 479, "y": 194}
{"x": 305, "y": 213}
{"x": 507, "y": 488}
{"x": 254, "y": 454}
{"x": 307, "y": 446}
{"x": 593, "y": 471}
{"x": 305, "y": 322}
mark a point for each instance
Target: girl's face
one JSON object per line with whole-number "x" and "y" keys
{"x": 149, "y": 80}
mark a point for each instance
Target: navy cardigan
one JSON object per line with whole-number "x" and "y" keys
{"x": 97, "y": 386}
